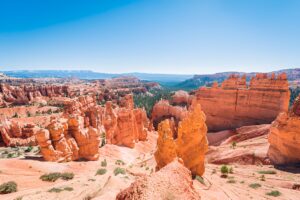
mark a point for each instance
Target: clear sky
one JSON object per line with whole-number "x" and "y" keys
{"x": 157, "y": 36}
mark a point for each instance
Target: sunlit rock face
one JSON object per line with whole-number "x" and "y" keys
{"x": 235, "y": 104}
{"x": 284, "y": 137}
{"x": 187, "y": 141}
{"x": 15, "y": 134}
{"x": 125, "y": 125}
{"x": 172, "y": 181}
{"x": 69, "y": 140}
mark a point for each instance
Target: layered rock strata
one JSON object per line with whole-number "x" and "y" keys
{"x": 284, "y": 137}
{"x": 235, "y": 104}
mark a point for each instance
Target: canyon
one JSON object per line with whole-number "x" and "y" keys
{"x": 93, "y": 135}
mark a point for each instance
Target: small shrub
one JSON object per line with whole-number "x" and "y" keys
{"x": 274, "y": 193}
{"x": 104, "y": 163}
{"x": 28, "y": 149}
{"x": 231, "y": 181}
{"x": 15, "y": 115}
{"x": 200, "y": 179}
{"x": 8, "y": 187}
{"x": 230, "y": 170}
{"x": 224, "y": 171}
{"x": 56, "y": 190}
{"x": 267, "y": 172}
{"x": 28, "y": 114}
{"x": 262, "y": 178}
{"x": 51, "y": 177}
{"x": 233, "y": 144}
{"x": 101, "y": 171}
{"x": 119, "y": 170}
{"x": 67, "y": 176}
{"x": 68, "y": 189}
{"x": 255, "y": 185}
{"x": 120, "y": 162}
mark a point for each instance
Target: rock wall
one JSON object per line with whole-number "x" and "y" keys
{"x": 187, "y": 141}
{"x": 284, "y": 137}
{"x": 235, "y": 104}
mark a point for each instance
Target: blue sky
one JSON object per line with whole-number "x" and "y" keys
{"x": 157, "y": 36}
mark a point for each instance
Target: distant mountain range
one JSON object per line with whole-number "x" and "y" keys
{"x": 172, "y": 81}
{"x": 87, "y": 74}
{"x": 207, "y": 79}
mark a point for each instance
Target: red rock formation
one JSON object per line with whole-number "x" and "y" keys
{"x": 24, "y": 94}
{"x": 234, "y": 104}
{"x": 284, "y": 137}
{"x": 66, "y": 141}
{"x": 14, "y": 134}
{"x": 181, "y": 98}
{"x": 171, "y": 182}
{"x": 125, "y": 126}
{"x": 163, "y": 110}
{"x": 187, "y": 141}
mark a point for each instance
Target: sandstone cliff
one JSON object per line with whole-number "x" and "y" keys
{"x": 284, "y": 137}
{"x": 235, "y": 104}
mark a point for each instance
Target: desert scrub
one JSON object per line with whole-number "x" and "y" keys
{"x": 233, "y": 144}
{"x": 255, "y": 185}
{"x": 230, "y": 170}
{"x": 67, "y": 176}
{"x": 52, "y": 177}
{"x": 274, "y": 193}
{"x": 200, "y": 179}
{"x": 120, "y": 162}
{"x": 104, "y": 163}
{"x": 262, "y": 178}
{"x": 101, "y": 171}
{"x": 267, "y": 172}
{"x": 8, "y": 187}
{"x": 58, "y": 190}
{"x": 224, "y": 170}
{"x": 119, "y": 170}
{"x": 231, "y": 181}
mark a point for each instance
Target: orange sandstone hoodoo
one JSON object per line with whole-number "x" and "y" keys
{"x": 284, "y": 137}
{"x": 187, "y": 141}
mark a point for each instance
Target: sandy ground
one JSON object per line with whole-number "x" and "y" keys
{"x": 86, "y": 185}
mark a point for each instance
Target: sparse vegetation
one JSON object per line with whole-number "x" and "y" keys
{"x": 231, "y": 181}
{"x": 15, "y": 115}
{"x": 233, "y": 144}
{"x": 58, "y": 190}
{"x": 103, "y": 140}
{"x": 224, "y": 171}
{"x": 262, "y": 178}
{"x": 267, "y": 172}
{"x": 119, "y": 162}
{"x": 230, "y": 170}
{"x": 200, "y": 179}
{"x": 101, "y": 171}
{"x": 255, "y": 185}
{"x": 8, "y": 187}
{"x": 274, "y": 193}
{"x": 29, "y": 149}
{"x": 104, "y": 163}
{"x": 119, "y": 170}
{"x": 67, "y": 176}
{"x": 52, "y": 177}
